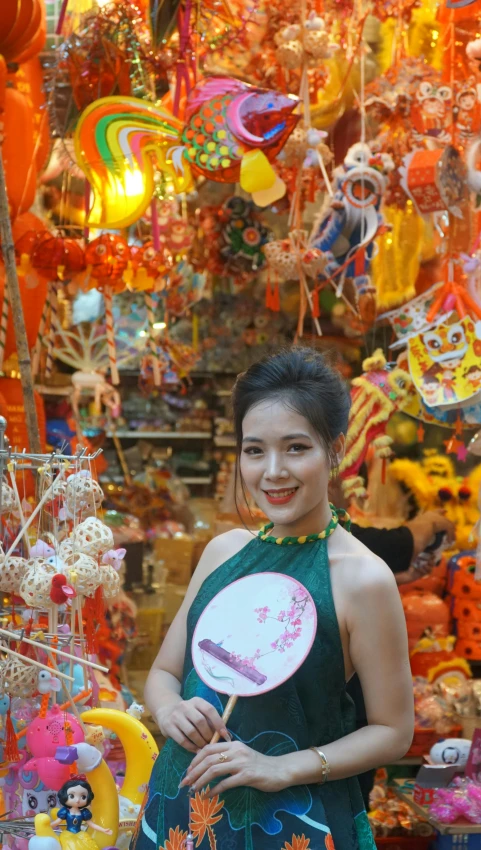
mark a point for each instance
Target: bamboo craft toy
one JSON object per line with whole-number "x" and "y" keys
{"x": 46, "y": 648}
{"x": 25, "y": 659}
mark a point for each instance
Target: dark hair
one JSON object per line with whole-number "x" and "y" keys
{"x": 476, "y": 367}
{"x": 302, "y": 379}
{"x": 73, "y": 783}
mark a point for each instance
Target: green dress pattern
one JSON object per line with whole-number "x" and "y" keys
{"x": 311, "y": 708}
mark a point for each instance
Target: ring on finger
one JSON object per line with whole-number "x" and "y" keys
{"x": 223, "y": 757}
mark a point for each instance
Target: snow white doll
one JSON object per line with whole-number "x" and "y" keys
{"x": 75, "y": 796}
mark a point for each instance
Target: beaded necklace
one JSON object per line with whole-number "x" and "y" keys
{"x": 338, "y": 515}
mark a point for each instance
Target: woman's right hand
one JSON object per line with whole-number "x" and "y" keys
{"x": 191, "y": 723}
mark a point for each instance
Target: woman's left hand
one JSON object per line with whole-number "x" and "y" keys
{"x": 239, "y": 764}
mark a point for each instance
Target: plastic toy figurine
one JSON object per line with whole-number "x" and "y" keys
{"x": 75, "y": 797}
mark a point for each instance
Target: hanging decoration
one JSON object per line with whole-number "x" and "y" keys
{"x": 444, "y": 363}
{"x": 376, "y": 396}
{"x": 232, "y": 132}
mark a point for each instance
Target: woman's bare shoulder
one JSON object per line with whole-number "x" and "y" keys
{"x": 221, "y": 548}
{"x": 359, "y": 568}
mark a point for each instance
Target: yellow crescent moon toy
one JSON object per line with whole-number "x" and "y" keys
{"x": 141, "y": 752}
{"x": 108, "y": 807}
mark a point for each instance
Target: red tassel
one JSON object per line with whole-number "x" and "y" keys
{"x": 273, "y": 297}
{"x": 268, "y": 293}
{"x": 11, "y": 753}
{"x": 99, "y": 606}
{"x": 91, "y": 643}
{"x": 316, "y": 310}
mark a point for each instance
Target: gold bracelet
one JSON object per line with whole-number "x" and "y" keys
{"x": 326, "y": 767}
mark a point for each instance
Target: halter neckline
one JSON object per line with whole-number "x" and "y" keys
{"x": 337, "y": 515}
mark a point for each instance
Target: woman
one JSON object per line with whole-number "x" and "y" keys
{"x": 282, "y": 777}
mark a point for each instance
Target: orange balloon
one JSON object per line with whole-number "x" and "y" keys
{"x": 33, "y": 301}
{"x": 29, "y": 82}
{"x": 19, "y": 152}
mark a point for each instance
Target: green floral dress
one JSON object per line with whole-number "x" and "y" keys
{"x": 310, "y": 709}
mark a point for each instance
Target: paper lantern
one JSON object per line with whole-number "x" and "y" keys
{"x": 107, "y": 258}
{"x": 23, "y": 29}
{"x": 52, "y": 257}
{"x": 148, "y": 266}
{"x": 96, "y": 70}
{"x": 19, "y": 152}
{"x": 30, "y": 76}
{"x": 435, "y": 180}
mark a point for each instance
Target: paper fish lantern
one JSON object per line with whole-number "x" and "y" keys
{"x": 445, "y": 363}
{"x": 107, "y": 259}
{"x": 232, "y": 133}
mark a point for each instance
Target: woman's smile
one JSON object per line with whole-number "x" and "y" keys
{"x": 281, "y": 497}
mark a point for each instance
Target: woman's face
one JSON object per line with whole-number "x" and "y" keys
{"x": 77, "y": 796}
{"x": 283, "y": 463}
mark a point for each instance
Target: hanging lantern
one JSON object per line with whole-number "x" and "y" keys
{"x": 18, "y": 150}
{"x": 107, "y": 258}
{"x": 30, "y": 77}
{"x": 51, "y": 257}
{"x": 22, "y": 29}
{"x": 148, "y": 267}
{"x": 95, "y": 70}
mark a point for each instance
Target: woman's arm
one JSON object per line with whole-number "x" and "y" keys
{"x": 379, "y": 653}
{"x": 192, "y": 722}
